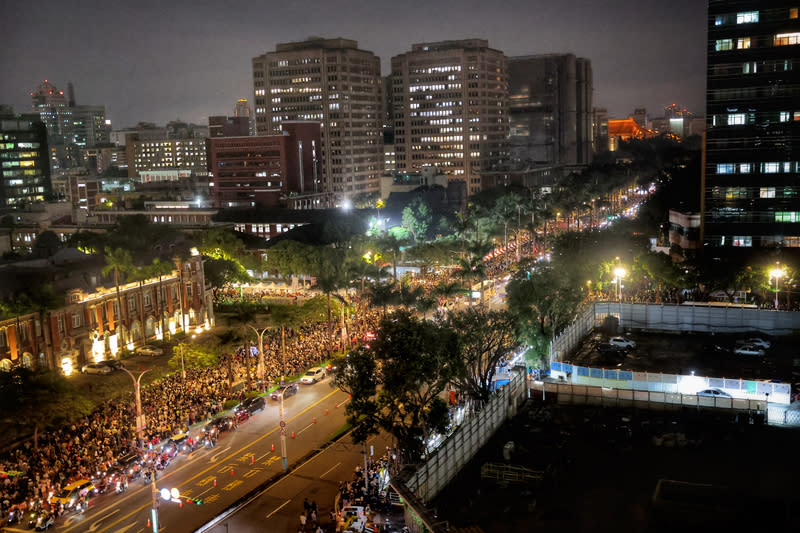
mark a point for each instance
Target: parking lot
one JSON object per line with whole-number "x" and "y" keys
{"x": 703, "y": 354}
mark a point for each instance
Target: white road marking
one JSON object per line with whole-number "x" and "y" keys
{"x": 95, "y": 525}
{"x": 279, "y": 508}
{"x": 331, "y": 468}
{"x": 305, "y": 428}
{"x": 214, "y": 457}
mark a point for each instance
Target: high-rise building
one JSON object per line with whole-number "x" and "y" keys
{"x": 25, "y": 170}
{"x": 333, "y": 82}
{"x": 242, "y": 109}
{"x": 449, "y": 108}
{"x": 70, "y": 127}
{"x": 164, "y": 159}
{"x": 261, "y": 171}
{"x": 550, "y": 108}
{"x": 750, "y": 192}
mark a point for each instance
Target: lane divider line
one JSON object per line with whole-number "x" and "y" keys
{"x": 279, "y": 508}
{"x": 305, "y": 428}
{"x": 329, "y": 470}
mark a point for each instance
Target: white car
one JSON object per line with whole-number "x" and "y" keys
{"x": 96, "y": 368}
{"x": 622, "y": 342}
{"x": 152, "y": 351}
{"x": 313, "y": 375}
{"x": 352, "y": 518}
{"x": 748, "y": 349}
{"x": 713, "y": 393}
{"x": 758, "y": 342}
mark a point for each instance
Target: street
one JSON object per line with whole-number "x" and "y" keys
{"x": 241, "y": 461}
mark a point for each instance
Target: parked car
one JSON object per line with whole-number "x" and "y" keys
{"x": 113, "y": 364}
{"x": 622, "y": 342}
{"x": 96, "y": 368}
{"x": 313, "y": 375}
{"x": 713, "y": 393}
{"x": 758, "y": 342}
{"x": 290, "y": 389}
{"x": 152, "y": 351}
{"x": 130, "y": 463}
{"x": 748, "y": 349}
{"x": 353, "y": 518}
{"x": 609, "y": 349}
{"x": 252, "y": 404}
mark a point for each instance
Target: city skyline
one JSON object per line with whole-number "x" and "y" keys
{"x": 157, "y": 63}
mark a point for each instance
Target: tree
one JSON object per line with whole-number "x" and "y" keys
{"x": 396, "y": 384}
{"x": 119, "y": 262}
{"x": 485, "y": 339}
{"x": 417, "y": 219}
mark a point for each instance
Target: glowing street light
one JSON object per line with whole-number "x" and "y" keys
{"x": 619, "y": 273}
{"x": 777, "y": 273}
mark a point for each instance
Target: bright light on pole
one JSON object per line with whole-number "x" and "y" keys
{"x": 776, "y": 273}
{"x": 620, "y": 273}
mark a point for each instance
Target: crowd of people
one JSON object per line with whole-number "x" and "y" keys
{"x": 31, "y": 473}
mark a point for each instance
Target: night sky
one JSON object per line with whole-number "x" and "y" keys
{"x": 161, "y": 60}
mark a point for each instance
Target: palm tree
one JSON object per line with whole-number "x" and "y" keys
{"x": 119, "y": 262}
{"x": 383, "y": 295}
{"x": 472, "y": 267}
{"x": 390, "y": 247}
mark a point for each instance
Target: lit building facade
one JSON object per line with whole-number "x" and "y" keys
{"x": 24, "y": 160}
{"x": 449, "y": 109}
{"x": 187, "y": 155}
{"x": 550, "y": 109}
{"x": 89, "y": 326}
{"x": 243, "y": 109}
{"x": 333, "y": 82}
{"x": 750, "y": 192}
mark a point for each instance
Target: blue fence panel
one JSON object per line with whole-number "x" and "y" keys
{"x": 626, "y": 375}
{"x": 567, "y": 367}
{"x": 716, "y": 383}
{"x": 555, "y": 366}
{"x": 611, "y": 374}
{"x": 583, "y": 371}
{"x": 763, "y": 388}
{"x": 733, "y": 384}
{"x": 596, "y": 372}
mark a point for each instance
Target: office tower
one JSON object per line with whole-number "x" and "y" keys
{"x": 334, "y": 82}
{"x": 25, "y": 172}
{"x": 164, "y": 159}
{"x": 263, "y": 170}
{"x": 242, "y": 109}
{"x": 550, "y": 108}
{"x": 220, "y": 126}
{"x": 70, "y": 127}
{"x": 449, "y": 102}
{"x": 750, "y": 192}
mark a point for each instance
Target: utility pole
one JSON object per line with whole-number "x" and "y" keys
{"x": 140, "y": 422}
{"x": 261, "y": 367}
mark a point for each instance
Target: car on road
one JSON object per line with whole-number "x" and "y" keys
{"x": 622, "y": 342}
{"x": 313, "y": 375}
{"x": 147, "y": 349}
{"x": 352, "y": 518}
{"x": 290, "y": 389}
{"x": 72, "y": 493}
{"x": 713, "y": 393}
{"x": 251, "y": 404}
{"x": 758, "y": 342}
{"x": 130, "y": 463}
{"x": 96, "y": 368}
{"x": 220, "y": 425}
{"x": 748, "y": 349}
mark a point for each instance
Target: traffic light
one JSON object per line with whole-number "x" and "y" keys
{"x": 195, "y": 501}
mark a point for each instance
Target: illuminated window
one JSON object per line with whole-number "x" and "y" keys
{"x": 736, "y": 119}
{"x": 767, "y": 192}
{"x": 787, "y": 216}
{"x": 743, "y": 43}
{"x": 784, "y": 116}
{"x": 745, "y": 241}
{"x": 786, "y": 39}
{"x": 725, "y": 44}
{"x": 744, "y": 168}
{"x": 746, "y": 17}
{"x": 76, "y": 320}
{"x": 793, "y": 12}
{"x": 770, "y": 167}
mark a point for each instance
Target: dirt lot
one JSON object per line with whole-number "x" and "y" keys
{"x": 602, "y": 465}
{"x": 681, "y": 354}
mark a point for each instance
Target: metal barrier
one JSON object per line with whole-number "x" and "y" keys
{"x": 442, "y": 466}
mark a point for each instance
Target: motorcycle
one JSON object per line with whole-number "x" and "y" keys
{"x": 122, "y": 486}
{"x": 45, "y": 521}
{"x": 14, "y": 516}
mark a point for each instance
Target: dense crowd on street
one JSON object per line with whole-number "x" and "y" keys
{"x": 34, "y": 471}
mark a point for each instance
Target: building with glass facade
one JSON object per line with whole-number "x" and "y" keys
{"x": 751, "y": 180}
{"x": 24, "y": 163}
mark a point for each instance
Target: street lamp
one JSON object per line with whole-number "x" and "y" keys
{"x": 261, "y": 369}
{"x": 776, "y": 273}
{"x": 619, "y": 273}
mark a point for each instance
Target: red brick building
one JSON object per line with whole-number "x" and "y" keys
{"x": 263, "y": 171}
